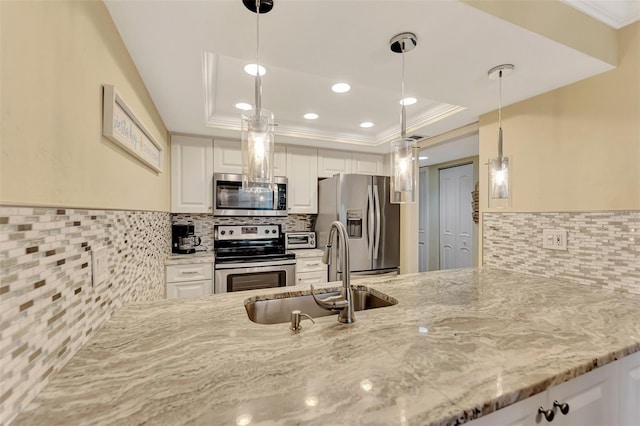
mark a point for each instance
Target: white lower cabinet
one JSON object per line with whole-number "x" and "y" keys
{"x": 189, "y": 289}
{"x": 189, "y": 281}
{"x": 604, "y": 396}
{"x": 629, "y": 390}
{"x": 523, "y": 413}
{"x": 310, "y": 270}
{"x": 592, "y": 399}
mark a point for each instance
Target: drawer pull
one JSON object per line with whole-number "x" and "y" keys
{"x": 313, "y": 264}
{"x": 548, "y": 414}
{"x": 189, "y": 273}
{"x": 564, "y": 407}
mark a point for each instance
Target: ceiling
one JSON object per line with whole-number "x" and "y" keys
{"x": 191, "y": 55}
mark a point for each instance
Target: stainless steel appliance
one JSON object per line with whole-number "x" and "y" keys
{"x": 361, "y": 203}
{"x": 249, "y": 257}
{"x": 300, "y": 240}
{"x": 183, "y": 239}
{"x": 231, "y": 200}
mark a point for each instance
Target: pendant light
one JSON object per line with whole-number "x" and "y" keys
{"x": 403, "y": 158}
{"x": 257, "y": 124}
{"x": 499, "y": 167}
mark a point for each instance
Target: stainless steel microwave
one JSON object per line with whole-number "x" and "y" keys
{"x": 231, "y": 200}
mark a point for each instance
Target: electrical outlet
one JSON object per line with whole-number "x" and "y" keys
{"x": 99, "y": 266}
{"x": 554, "y": 239}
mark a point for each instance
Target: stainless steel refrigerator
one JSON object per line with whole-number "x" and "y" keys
{"x": 361, "y": 203}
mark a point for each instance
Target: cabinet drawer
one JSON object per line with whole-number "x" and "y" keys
{"x": 316, "y": 277}
{"x": 310, "y": 264}
{"x": 190, "y": 289}
{"x": 191, "y": 272}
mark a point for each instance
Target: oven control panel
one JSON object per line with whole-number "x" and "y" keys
{"x": 246, "y": 232}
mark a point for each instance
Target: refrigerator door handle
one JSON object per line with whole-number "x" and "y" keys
{"x": 370, "y": 219}
{"x": 376, "y": 198}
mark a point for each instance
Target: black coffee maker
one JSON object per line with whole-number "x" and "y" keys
{"x": 184, "y": 241}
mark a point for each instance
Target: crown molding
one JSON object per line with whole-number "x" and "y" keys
{"x": 439, "y": 112}
{"x": 608, "y": 12}
{"x": 431, "y": 116}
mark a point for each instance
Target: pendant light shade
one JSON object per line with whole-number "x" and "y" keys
{"x": 403, "y": 171}
{"x": 500, "y": 167}
{"x": 257, "y": 124}
{"x": 404, "y": 162}
{"x": 257, "y": 150}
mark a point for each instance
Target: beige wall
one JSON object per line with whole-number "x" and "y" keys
{"x": 568, "y": 26}
{"x": 576, "y": 148}
{"x": 56, "y": 55}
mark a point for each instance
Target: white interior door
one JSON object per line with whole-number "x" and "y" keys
{"x": 456, "y": 222}
{"x": 423, "y": 222}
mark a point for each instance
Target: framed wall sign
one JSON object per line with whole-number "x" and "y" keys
{"x": 120, "y": 125}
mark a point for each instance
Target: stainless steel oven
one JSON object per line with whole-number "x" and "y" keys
{"x": 249, "y": 257}
{"x": 231, "y": 200}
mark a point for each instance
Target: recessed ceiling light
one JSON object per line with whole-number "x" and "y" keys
{"x": 243, "y": 106}
{"x": 408, "y": 101}
{"x": 251, "y": 69}
{"x": 341, "y": 87}
{"x": 423, "y": 158}
{"x": 366, "y": 124}
{"x": 311, "y": 116}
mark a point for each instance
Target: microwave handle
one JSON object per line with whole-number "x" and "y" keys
{"x": 275, "y": 198}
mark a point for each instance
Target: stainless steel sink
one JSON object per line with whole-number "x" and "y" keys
{"x": 278, "y": 310}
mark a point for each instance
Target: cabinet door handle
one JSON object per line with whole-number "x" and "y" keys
{"x": 564, "y": 407}
{"x": 548, "y": 414}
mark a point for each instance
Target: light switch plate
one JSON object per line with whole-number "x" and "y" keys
{"x": 99, "y": 266}
{"x": 554, "y": 239}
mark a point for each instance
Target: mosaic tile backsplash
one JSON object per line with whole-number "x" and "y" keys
{"x": 48, "y": 305}
{"x": 203, "y": 223}
{"x": 603, "y": 248}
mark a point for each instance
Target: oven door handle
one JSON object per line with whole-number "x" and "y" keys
{"x": 266, "y": 264}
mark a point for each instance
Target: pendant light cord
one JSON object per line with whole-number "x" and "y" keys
{"x": 403, "y": 114}
{"x": 258, "y": 80}
{"x": 500, "y": 115}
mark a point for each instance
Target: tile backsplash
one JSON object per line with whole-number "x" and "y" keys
{"x": 48, "y": 305}
{"x": 203, "y": 223}
{"x": 603, "y": 248}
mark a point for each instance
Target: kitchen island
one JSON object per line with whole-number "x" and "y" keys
{"x": 458, "y": 344}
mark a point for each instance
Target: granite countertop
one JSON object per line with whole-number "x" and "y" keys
{"x": 184, "y": 259}
{"x": 458, "y": 343}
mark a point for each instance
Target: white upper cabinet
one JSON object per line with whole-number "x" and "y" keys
{"x": 331, "y": 162}
{"x": 302, "y": 171}
{"x": 191, "y": 174}
{"x": 227, "y": 156}
{"x": 367, "y": 164}
{"x": 280, "y": 161}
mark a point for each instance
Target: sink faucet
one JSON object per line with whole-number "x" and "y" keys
{"x": 344, "y": 302}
